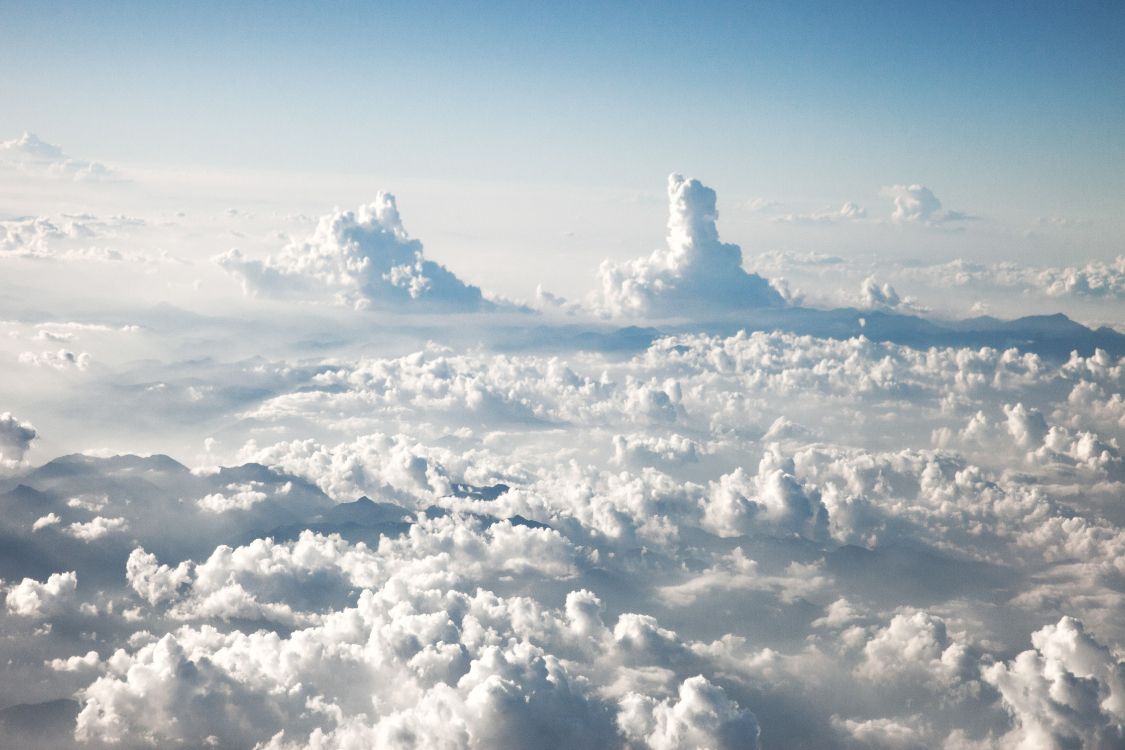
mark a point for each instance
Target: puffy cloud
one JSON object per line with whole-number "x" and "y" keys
{"x": 51, "y": 519}
{"x": 97, "y": 528}
{"x": 1095, "y": 279}
{"x": 154, "y": 582}
{"x": 696, "y": 275}
{"x": 702, "y": 716}
{"x": 591, "y": 549}
{"x": 884, "y": 734}
{"x": 918, "y": 645}
{"x": 1026, "y": 426}
{"x": 1069, "y": 691}
{"x": 363, "y": 258}
{"x": 240, "y": 497}
{"x": 32, "y": 236}
{"x": 16, "y": 438}
{"x": 771, "y": 501}
{"x": 917, "y": 204}
{"x": 86, "y": 662}
{"x": 404, "y": 667}
{"x": 28, "y": 154}
{"x": 30, "y": 598}
{"x": 655, "y": 451}
{"x": 372, "y": 463}
{"x": 874, "y": 296}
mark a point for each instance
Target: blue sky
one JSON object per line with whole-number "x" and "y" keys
{"x": 1020, "y": 103}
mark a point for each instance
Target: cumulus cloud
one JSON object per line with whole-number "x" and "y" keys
{"x": 917, "y": 204}
{"x": 1069, "y": 691}
{"x": 363, "y": 258}
{"x": 696, "y": 274}
{"x": 701, "y": 716}
{"x": 154, "y": 582}
{"x": 772, "y": 500}
{"x": 97, "y": 528}
{"x": 28, "y": 154}
{"x": 43, "y": 522}
{"x": 1095, "y": 279}
{"x": 874, "y": 296}
{"x": 31, "y": 598}
{"x": 240, "y": 497}
{"x": 16, "y": 438}
{"x": 756, "y": 539}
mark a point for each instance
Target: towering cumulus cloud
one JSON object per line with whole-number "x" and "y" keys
{"x": 363, "y": 258}
{"x": 696, "y": 275}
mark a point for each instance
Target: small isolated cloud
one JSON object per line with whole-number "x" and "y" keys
{"x": 363, "y": 258}
{"x": 917, "y": 204}
{"x": 97, "y": 528}
{"x": 51, "y": 519}
{"x": 29, "y": 154}
{"x": 696, "y": 274}
{"x": 874, "y": 296}
{"x": 15, "y": 438}
{"x": 239, "y": 497}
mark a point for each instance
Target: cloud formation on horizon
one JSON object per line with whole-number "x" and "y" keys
{"x": 362, "y": 258}
{"x": 696, "y": 274}
{"x": 31, "y": 155}
{"x": 917, "y": 204}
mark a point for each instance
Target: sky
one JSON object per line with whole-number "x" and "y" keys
{"x": 646, "y": 376}
{"x": 1005, "y": 105}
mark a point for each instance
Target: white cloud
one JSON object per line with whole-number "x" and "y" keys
{"x": 97, "y": 528}
{"x": 701, "y": 716}
{"x": 917, "y": 204}
{"x": 240, "y": 497}
{"x": 30, "y": 598}
{"x": 32, "y": 156}
{"x": 1095, "y": 279}
{"x": 1067, "y": 692}
{"x": 873, "y": 296}
{"x": 51, "y": 519}
{"x": 154, "y": 582}
{"x": 718, "y": 540}
{"x": 363, "y": 258}
{"x": 87, "y": 662}
{"x": 772, "y": 501}
{"x": 697, "y": 273}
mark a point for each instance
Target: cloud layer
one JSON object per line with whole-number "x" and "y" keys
{"x": 508, "y": 531}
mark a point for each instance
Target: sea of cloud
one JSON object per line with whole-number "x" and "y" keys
{"x": 401, "y": 511}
